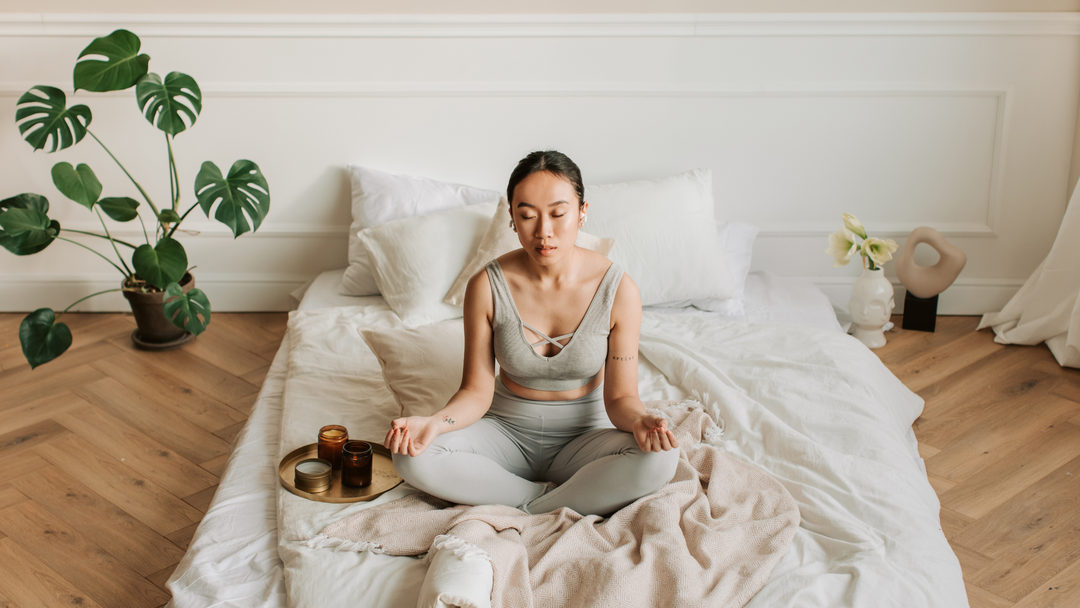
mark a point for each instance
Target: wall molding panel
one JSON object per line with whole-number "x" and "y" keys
{"x": 959, "y": 121}
{"x": 547, "y": 26}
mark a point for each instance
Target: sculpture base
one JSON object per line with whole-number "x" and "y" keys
{"x": 920, "y": 314}
{"x": 872, "y": 337}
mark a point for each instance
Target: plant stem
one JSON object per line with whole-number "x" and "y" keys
{"x": 190, "y": 209}
{"x": 172, "y": 181}
{"x": 98, "y": 253}
{"x": 81, "y": 299}
{"x": 174, "y": 175}
{"x": 147, "y": 236}
{"x": 145, "y": 195}
{"x": 120, "y": 257}
{"x": 125, "y": 243}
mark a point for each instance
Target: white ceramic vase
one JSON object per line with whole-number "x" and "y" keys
{"x": 871, "y": 307}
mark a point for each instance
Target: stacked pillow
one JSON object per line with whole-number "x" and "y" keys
{"x": 379, "y": 197}
{"x": 415, "y": 260}
{"x": 418, "y": 241}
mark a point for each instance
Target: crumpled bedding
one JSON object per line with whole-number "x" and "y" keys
{"x": 710, "y": 537}
{"x": 815, "y": 409}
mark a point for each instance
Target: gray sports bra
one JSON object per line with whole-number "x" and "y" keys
{"x": 576, "y": 363}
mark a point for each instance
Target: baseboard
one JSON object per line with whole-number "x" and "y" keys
{"x": 227, "y": 293}
{"x": 271, "y": 292}
{"x": 964, "y": 297}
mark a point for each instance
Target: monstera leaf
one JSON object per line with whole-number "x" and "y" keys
{"x": 49, "y": 117}
{"x": 165, "y": 104}
{"x": 161, "y": 264}
{"x": 184, "y": 309}
{"x": 25, "y": 231}
{"x": 244, "y": 191}
{"x": 122, "y": 68}
{"x": 30, "y": 240}
{"x": 26, "y": 200}
{"x": 168, "y": 216}
{"x": 77, "y": 183}
{"x": 42, "y": 338}
{"x": 120, "y": 208}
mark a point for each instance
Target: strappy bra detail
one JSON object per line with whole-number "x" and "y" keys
{"x": 554, "y": 340}
{"x": 576, "y": 363}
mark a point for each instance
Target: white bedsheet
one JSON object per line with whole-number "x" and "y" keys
{"x": 234, "y": 558}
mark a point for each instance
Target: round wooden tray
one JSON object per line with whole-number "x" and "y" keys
{"x": 383, "y": 476}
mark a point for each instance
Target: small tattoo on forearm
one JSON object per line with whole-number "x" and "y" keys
{"x": 623, "y": 358}
{"x": 448, "y": 420}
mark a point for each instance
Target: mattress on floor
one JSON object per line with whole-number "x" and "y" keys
{"x": 235, "y": 557}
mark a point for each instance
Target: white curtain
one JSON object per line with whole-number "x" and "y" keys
{"x": 1047, "y": 307}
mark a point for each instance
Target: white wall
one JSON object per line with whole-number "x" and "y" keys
{"x": 963, "y": 122}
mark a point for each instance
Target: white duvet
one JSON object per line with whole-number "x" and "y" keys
{"x": 814, "y": 408}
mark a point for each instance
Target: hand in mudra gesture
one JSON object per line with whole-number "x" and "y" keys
{"x": 412, "y": 435}
{"x": 652, "y": 434}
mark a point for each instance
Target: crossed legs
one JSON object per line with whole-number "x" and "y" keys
{"x": 599, "y": 471}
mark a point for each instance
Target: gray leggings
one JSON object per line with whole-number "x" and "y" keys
{"x": 500, "y": 458}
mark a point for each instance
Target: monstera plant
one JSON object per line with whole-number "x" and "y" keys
{"x": 157, "y": 267}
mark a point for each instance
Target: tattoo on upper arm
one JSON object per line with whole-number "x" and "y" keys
{"x": 448, "y": 420}
{"x": 631, "y": 358}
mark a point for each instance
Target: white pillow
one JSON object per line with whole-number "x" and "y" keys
{"x": 422, "y": 366}
{"x": 738, "y": 240}
{"x": 499, "y": 239}
{"x": 379, "y": 197}
{"x": 665, "y": 235}
{"x": 416, "y": 260}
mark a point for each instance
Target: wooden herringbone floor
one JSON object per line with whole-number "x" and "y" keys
{"x": 110, "y": 456}
{"x": 1000, "y": 434}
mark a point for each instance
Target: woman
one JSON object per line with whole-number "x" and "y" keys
{"x": 562, "y": 424}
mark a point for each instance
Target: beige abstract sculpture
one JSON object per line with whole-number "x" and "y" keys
{"x": 929, "y": 281}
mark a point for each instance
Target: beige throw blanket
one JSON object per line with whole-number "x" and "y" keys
{"x": 710, "y": 537}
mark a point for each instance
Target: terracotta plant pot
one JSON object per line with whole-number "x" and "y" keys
{"x": 155, "y": 332}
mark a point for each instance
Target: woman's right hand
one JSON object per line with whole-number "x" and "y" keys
{"x": 411, "y": 436}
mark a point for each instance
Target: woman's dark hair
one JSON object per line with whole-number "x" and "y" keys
{"x": 551, "y": 161}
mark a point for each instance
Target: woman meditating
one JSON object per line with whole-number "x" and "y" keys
{"x": 561, "y": 425}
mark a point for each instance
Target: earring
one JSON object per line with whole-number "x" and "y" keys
{"x": 512, "y": 226}
{"x": 584, "y": 220}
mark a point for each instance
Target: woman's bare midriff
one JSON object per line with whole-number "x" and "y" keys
{"x": 535, "y": 395}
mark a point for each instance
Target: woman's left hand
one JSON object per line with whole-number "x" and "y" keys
{"x": 652, "y": 434}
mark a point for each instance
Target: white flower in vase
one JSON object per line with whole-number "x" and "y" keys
{"x": 871, "y": 301}
{"x": 853, "y": 224}
{"x": 879, "y": 251}
{"x": 842, "y": 246}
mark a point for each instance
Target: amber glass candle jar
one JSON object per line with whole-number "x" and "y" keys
{"x": 356, "y": 464}
{"x": 331, "y": 438}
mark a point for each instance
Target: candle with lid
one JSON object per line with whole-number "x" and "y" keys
{"x": 356, "y": 464}
{"x": 312, "y": 475}
{"x": 331, "y": 438}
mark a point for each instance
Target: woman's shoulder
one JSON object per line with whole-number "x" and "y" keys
{"x": 479, "y": 284}
{"x": 510, "y": 259}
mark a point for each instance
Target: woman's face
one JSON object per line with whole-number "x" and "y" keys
{"x": 546, "y": 214}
